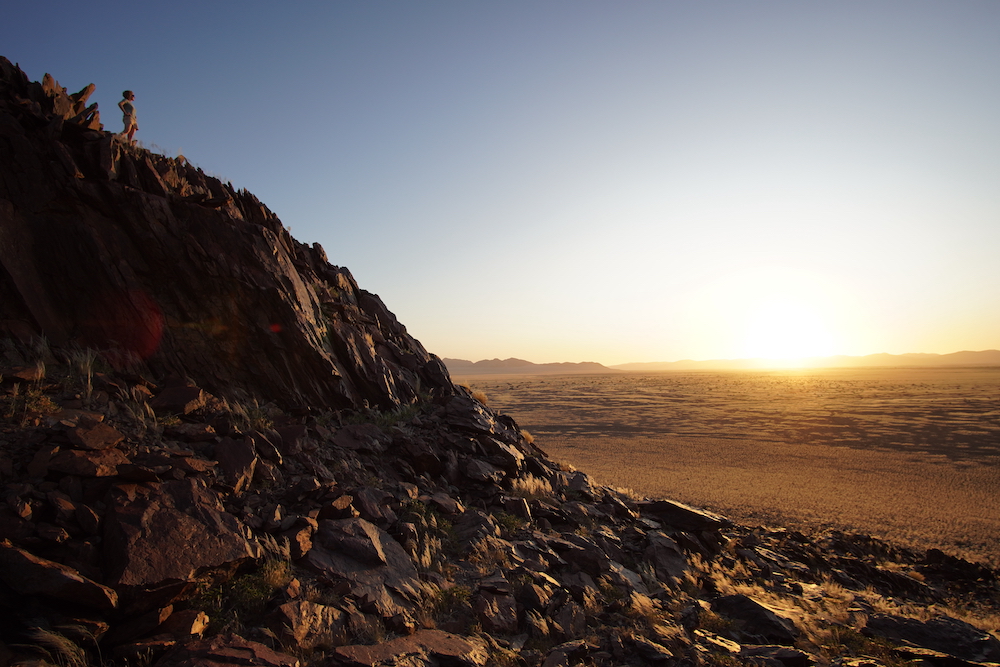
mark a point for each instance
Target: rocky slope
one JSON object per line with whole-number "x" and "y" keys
{"x": 223, "y": 452}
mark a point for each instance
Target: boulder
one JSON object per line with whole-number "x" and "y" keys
{"x": 178, "y": 401}
{"x": 308, "y": 625}
{"x": 942, "y": 633}
{"x": 101, "y": 463}
{"x": 31, "y": 575}
{"x": 377, "y": 570}
{"x": 424, "y": 648}
{"x": 650, "y": 650}
{"x": 784, "y": 656}
{"x": 224, "y": 651}
{"x": 496, "y": 611}
{"x": 94, "y": 435}
{"x": 666, "y": 556}
{"x": 756, "y": 619}
{"x": 360, "y": 437}
{"x": 683, "y": 517}
{"x": 237, "y": 462}
{"x": 159, "y": 532}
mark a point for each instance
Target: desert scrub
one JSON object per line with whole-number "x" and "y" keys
{"x": 528, "y": 438}
{"x": 241, "y": 601}
{"x": 250, "y": 416}
{"x": 386, "y": 419}
{"x": 449, "y": 605}
{"x": 530, "y": 487}
{"x": 82, "y": 362}
{"x": 21, "y": 404}
{"x": 476, "y": 394}
{"x": 58, "y": 649}
{"x": 509, "y": 523}
{"x": 487, "y": 556}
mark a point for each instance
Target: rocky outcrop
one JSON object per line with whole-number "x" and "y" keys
{"x": 146, "y": 258}
{"x": 367, "y": 513}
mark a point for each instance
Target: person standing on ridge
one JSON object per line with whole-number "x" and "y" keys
{"x": 129, "y": 110}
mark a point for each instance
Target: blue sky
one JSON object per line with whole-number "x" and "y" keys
{"x": 570, "y": 181}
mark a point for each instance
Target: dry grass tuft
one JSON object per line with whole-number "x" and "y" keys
{"x": 531, "y": 487}
{"x": 59, "y": 649}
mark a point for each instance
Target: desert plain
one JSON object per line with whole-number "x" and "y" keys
{"x": 911, "y": 455}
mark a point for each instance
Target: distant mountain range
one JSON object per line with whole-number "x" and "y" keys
{"x": 522, "y": 367}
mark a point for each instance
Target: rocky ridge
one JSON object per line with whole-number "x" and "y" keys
{"x": 308, "y": 487}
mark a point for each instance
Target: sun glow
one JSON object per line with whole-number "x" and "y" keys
{"x": 787, "y": 330}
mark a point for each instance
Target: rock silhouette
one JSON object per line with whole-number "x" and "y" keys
{"x": 216, "y": 449}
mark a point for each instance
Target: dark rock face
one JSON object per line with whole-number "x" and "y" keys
{"x": 122, "y": 250}
{"x": 377, "y": 569}
{"x": 223, "y": 651}
{"x": 424, "y": 649}
{"x": 169, "y": 531}
{"x": 757, "y": 620}
{"x": 31, "y": 575}
{"x": 943, "y": 633}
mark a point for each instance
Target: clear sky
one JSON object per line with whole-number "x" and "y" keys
{"x": 591, "y": 180}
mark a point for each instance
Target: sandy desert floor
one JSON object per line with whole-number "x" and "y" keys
{"x": 911, "y": 455}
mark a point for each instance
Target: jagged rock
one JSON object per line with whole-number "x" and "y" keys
{"x": 475, "y": 525}
{"x": 506, "y": 456}
{"x": 237, "y": 461}
{"x": 190, "y": 432}
{"x": 582, "y": 552}
{"x": 373, "y": 505}
{"x": 360, "y": 437}
{"x": 94, "y": 436}
{"x": 101, "y": 463}
{"x": 300, "y": 539}
{"x": 224, "y": 651}
{"x": 683, "y": 517}
{"x": 757, "y": 619}
{"x": 295, "y": 439}
{"x": 534, "y": 597}
{"x": 570, "y": 621}
{"x": 717, "y": 643}
{"x": 942, "y": 633}
{"x": 579, "y": 482}
{"x": 650, "y": 650}
{"x": 481, "y": 471}
{"x": 178, "y": 400}
{"x": 308, "y": 625}
{"x": 185, "y": 623}
{"x": 138, "y": 626}
{"x": 425, "y": 648}
{"x": 30, "y": 575}
{"x": 170, "y": 530}
{"x": 666, "y": 557}
{"x": 87, "y": 518}
{"x": 563, "y": 654}
{"x": 380, "y": 573}
{"x": 780, "y": 656}
{"x": 446, "y": 504}
{"x": 341, "y": 507}
{"x": 497, "y": 613}
{"x": 626, "y": 579}
{"x": 518, "y": 507}
{"x": 23, "y": 373}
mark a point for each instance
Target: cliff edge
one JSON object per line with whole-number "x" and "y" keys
{"x": 112, "y": 247}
